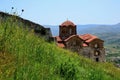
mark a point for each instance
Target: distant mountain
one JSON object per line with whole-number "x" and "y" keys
{"x": 81, "y": 29}
{"x": 109, "y": 33}
{"x": 100, "y": 29}
{"x": 90, "y": 28}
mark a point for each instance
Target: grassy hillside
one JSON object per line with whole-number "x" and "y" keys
{"x": 24, "y": 56}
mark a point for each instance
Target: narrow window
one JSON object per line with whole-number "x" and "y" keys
{"x": 70, "y": 31}
{"x": 96, "y": 45}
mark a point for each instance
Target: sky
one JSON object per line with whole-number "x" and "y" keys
{"x": 54, "y": 12}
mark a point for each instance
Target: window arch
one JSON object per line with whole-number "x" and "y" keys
{"x": 96, "y": 45}
{"x": 97, "y": 53}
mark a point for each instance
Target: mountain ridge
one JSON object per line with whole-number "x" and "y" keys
{"x": 92, "y": 28}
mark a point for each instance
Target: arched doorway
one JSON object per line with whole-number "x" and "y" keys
{"x": 97, "y": 59}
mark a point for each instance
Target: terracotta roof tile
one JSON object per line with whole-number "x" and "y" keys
{"x": 85, "y": 45}
{"x": 58, "y": 39}
{"x": 70, "y": 37}
{"x": 68, "y": 23}
{"x": 61, "y": 45}
{"x": 88, "y": 37}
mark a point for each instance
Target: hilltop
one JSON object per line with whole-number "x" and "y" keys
{"x": 25, "y": 56}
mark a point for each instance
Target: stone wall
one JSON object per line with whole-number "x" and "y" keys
{"x": 90, "y": 53}
{"x": 38, "y": 29}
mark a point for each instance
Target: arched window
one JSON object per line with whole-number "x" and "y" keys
{"x": 97, "y": 53}
{"x": 96, "y": 46}
{"x": 70, "y": 31}
{"x": 64, "y": 30}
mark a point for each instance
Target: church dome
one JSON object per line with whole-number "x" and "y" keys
{"x": 68, "y": 23}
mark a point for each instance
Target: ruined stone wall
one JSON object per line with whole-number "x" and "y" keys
{"x": 90, "y": 53}
{"x": 38, "y": 29}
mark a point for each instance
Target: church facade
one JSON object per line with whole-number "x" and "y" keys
{"x": 87, "y": 45}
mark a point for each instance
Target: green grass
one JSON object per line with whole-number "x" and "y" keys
{"x": 24, "y": 56}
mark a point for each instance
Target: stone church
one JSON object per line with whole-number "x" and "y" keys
{"x": 87, "y": 45}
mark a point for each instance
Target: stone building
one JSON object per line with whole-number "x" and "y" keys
{"x": 87, "y": 45}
